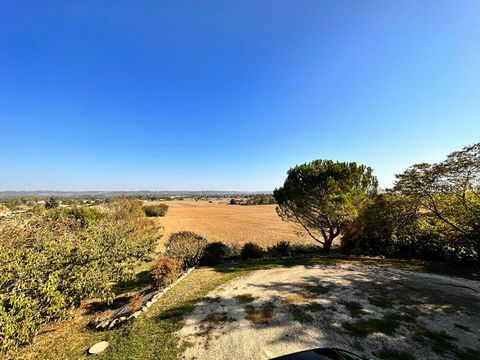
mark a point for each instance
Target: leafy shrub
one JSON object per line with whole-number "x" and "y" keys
{"x": 48, "y": 264}
{"x": 391, "y": 225}
{"x": 165, "y": 271}
{"x": 156, "y": 210}
{"x": 281, "y": 248}
{"x": 85, "y": 216}
{"x": 215, "y": 253}
{"x": 251, "y": 251}
{"x": 186, "y": 245}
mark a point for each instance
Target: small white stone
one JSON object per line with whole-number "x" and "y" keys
{"x": 98, "y": 348}
{"x": 113, "y": 323}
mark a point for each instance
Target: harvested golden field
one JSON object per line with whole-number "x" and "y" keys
{"x": 232, "y": 224}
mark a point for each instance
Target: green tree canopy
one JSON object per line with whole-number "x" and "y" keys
{"x": 324, "y": 196}
{"x": 449, "y": 195}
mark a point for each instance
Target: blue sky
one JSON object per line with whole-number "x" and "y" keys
{"x": 227, "y": 95}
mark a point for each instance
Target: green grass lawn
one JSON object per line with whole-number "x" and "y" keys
{"x": 152, "y": 335}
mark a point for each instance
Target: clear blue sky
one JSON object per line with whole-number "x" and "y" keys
{"x": 192, "y": 95}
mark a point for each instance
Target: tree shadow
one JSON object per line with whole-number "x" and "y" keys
{"x": 361, "y": 309}
{"x": 264, "y": 264}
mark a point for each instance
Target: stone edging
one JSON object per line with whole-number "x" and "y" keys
{"x": 149, "y": 300}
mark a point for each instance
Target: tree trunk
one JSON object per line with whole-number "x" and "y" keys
{"x": 327, "y": 245}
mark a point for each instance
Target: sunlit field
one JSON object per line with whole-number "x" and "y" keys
{"x": 232, "y": 224}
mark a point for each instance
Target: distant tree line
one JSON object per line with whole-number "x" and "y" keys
{"x": 432, "y": 211}
{"x": 257, "y": 199}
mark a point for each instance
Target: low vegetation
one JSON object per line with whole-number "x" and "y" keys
{"x": 187, "y": 246}
{"x": 156, "y": 210}
{"x": 215, "y": 253}
{"x": 281, "y": 248}
{"x": 50, "y": 262}
{"x": 165, "y": 271}
{"x": 251, "y": 251}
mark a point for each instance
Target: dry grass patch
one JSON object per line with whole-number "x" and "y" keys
{"x": 135, "y": 303}
{"x": 219, "y": 221}
{"x": 296, "y": 298}
{"x": 210, "y": 323}
{"x": 245, "y": 298}
{"x": 260, "y": 316}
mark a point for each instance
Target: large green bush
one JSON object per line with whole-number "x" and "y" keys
{"x": 49, "y": 263}
{"x": 156, "y": 210}
{"x": 186, "y": 245}
{"x": 281, "y": 248}
{"x": 215, "y": 253}
{"x": 251, "y": 251}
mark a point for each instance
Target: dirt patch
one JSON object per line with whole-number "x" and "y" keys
{"x": 372, "y": 311}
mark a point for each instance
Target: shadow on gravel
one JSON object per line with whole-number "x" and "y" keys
{"x": 371, "y": 311}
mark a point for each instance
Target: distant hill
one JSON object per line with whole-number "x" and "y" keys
{"x": 143, "y": 193}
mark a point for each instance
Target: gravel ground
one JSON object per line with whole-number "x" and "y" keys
{"x": 372, "y": 311}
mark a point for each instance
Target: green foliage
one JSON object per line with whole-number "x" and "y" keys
{"x": 432, "y": 213}
{"x": 251, "y": 251}
{"x": 156, "y": 210}
{"x": 448, "y": 195}
{"x": 387, "y": 225}
{"x": 215, "y": 253}
{"x": 324, "y": 197}
{"x": 165, "y": 271}
{"x": 260, "y": 200}
{"x": 84, "y": 216}
{"x": 281, "y": 248}
{"x": 49, "y": 263}
{"x": 186, "y": 245}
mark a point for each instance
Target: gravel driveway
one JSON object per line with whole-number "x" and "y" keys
{"x": 373, "y": 311}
